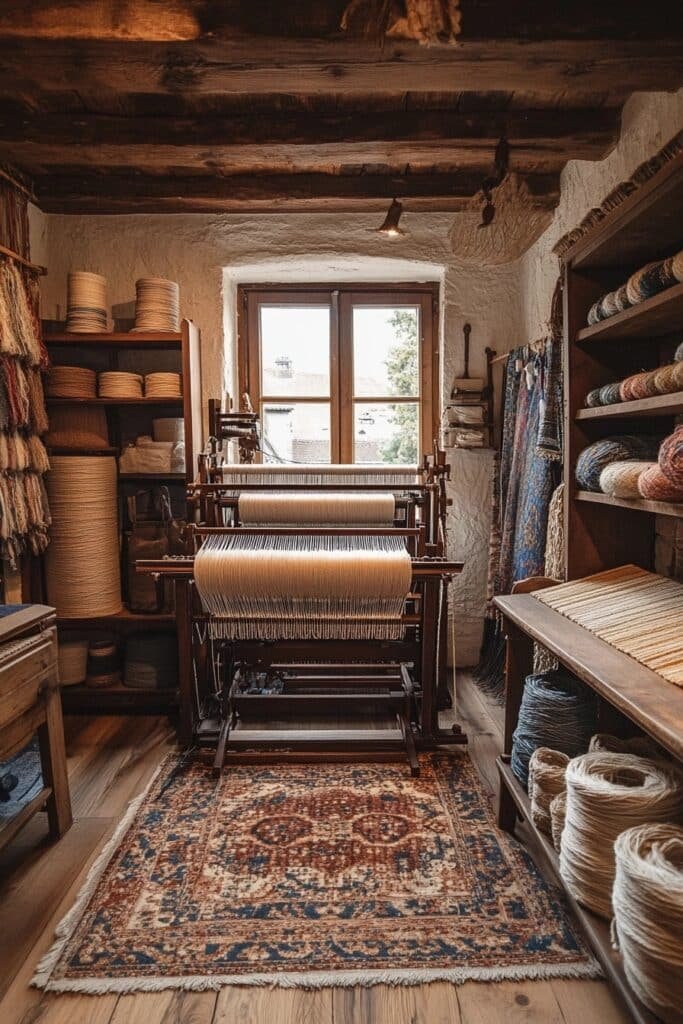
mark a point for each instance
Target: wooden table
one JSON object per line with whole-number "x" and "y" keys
{"x": 626, "y": 688}
{"x": 30, "y": 704}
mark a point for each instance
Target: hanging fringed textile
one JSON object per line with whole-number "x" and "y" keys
{"x": 551, "y": 417}
{"x": 24, "y": 511}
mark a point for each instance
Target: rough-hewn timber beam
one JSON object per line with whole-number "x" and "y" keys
{"x": 30, "y": 68}
{"x": 118, "y": 193}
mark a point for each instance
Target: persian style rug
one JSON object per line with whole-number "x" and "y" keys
{"x": 312, "y": 875}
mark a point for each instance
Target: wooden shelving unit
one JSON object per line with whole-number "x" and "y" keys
{"x": 602, "y": 532}
{"x": 127, "y": 418}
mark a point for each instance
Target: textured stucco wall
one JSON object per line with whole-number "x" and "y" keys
{"x": 649, "y": 120}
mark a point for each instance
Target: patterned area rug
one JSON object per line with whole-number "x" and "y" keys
{"x": 312, "y": 875}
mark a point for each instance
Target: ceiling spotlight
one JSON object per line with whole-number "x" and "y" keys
{"x": 390, "y": 226}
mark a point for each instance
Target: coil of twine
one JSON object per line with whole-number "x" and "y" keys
{"x": 546, "y": 780}
{"x": 82, "y": 560}
{"x": 556, "y": 712}
{"x": 558, "y": 812}
{"x": 620, "y": 479}
{"x": 652, "y": 484}
{"x": 607, "y": 794}
{"x": 671, "y": 457}
{"x": 640, "y": 745}
{"x": 71, "y": 382}
{"x": 623, "y": 448}
{"x": 669, "y": 379}
{"x": 648, "y": 914}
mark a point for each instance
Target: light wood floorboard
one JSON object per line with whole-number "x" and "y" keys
{"x": 110, "y": 760}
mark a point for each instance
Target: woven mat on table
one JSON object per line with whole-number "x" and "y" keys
{"x": 638, "y": 612}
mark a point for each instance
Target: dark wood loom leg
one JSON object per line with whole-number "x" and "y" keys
{"x": 219, "y": 759}
{"x": 53, "y": 762}
{"x": 183, "y": 607}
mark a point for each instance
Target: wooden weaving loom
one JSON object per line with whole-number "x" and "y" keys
{"x": 281, "y": 620}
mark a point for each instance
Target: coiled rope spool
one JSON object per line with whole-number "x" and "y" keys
{"x": 620, "y": 479}
{"x": 546, "y": 780}
{"x": 607, "y": 794}
{"x": 556, "y": 712}
{"x": 648, "y": 914}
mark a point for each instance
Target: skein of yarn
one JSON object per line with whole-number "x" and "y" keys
{"x": 620, "y": 448}
{"x": 648, "y": 914}
{"x": 671, "y": 457}
{"x": 546, "y": 780}
{"x": 557, "y": 712}
{"x": 652, "y": 484}
{"x": 593, "y": 398}
{"x": 558, "y": 812}
{"x": 620, "y": 479}
{"x": 610, "y": 394}
{"x": 669, "y": 379}
{"x": 606, "y": 794}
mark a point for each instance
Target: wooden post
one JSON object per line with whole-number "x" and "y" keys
{"x": 53, "y": 760}
{"x": 183, "y": 608}
{"x": 430, "y": 656}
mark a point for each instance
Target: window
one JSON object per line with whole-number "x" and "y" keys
{"x": 341, "y": 374}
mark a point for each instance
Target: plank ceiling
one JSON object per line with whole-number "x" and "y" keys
{"x": 126, "y": 106}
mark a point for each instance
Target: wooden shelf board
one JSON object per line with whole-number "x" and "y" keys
{"x": 645, "y": 226}
{"x": 643, "y": 696}
{"x": 596, "y": 929}
{"x": 657, "y": 405}
{"x": 113, "y": 401}
{"x": 118, "y": 699}
{"x": 156, "y": 339}
{"x": 123, "y": 619}
{"x": 661, "y": 314}
{"x": 661, "y": 508}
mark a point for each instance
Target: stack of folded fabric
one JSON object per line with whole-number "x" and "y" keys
{"x": 148, "y": 456}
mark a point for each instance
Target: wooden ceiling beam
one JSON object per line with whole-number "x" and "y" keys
{"x": 104, "y": 192}
{"x": 93, "y": 69}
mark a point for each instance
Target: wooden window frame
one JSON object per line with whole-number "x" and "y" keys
{"x": 341, "y": 299}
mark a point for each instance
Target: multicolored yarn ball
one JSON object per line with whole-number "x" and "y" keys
{"x": 593, "y": 314}
{"x": 657, "y": 278}
{"x": 678, "y": 354}
{"x": 643, "y": 385}
{"x": 610, "y": 393}
{"x": 626, "y": 388}
{"x": 636, "y": 291}
{"x": 677, "y": 266}
{"x": 620, "y": 479}
{"x": 593, "y": 398}
{"x": 621, "y": 299}
{"x": 621, "y": 448}
{"x": 609, "y": 305}
{"x": 669, "y": 379}
{"x": 671, "y": 457}
{"x": 652, "y": 484}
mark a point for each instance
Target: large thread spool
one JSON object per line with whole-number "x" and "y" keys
{"x": 648, "y": 914}
{"x": 556, "y": 712}
{"x": 607, "y": 794}
{"x": 82, "y": 560}
{"x": 310, "y": 507}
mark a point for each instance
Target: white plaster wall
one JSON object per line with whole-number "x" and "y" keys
{"x": 649, "y": 120}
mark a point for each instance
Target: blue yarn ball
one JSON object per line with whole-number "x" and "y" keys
{"x": 596, "y": 456}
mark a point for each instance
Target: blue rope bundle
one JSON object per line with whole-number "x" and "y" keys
{"x": 610, "y": 393}
{"x": 596, "y": 456}
{"x": 556, "y": 712}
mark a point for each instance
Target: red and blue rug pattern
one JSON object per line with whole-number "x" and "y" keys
{"x": 312, "y": 875}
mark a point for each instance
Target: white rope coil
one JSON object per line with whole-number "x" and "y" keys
{"x": 278, "y": 587}
{"x": 82, "y": 560}
{"x": 648, "y": 915}
{"x": 339, "y": 508}
{"x": 546, "y": 779}
{"x": 606, "y": 794}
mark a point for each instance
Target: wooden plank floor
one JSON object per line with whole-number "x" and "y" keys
{"x": 110, "y": 760}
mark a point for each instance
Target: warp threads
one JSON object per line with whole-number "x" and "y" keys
{"x": 556, "y": 712}
{"x": 330, "y": 508}
{"x": 648, "y": 914}
{"x": 607, "y": 794}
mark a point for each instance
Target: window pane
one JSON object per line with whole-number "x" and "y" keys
{"x": 296, "y": 431}
{"x": 295, "y": 350}
{"x": 385, "y": 432}
{"x": 385, "y": 350}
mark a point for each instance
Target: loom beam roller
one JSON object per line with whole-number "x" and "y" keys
{"x": 248, "y": 657}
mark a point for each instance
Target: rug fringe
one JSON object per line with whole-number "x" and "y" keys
{"x": 69, "y": 922}
{"x": 329, "y": 979}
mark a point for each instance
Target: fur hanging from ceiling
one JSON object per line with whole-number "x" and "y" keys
{"x": 517, "y": 224}
{"x": 428, "y": 22}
